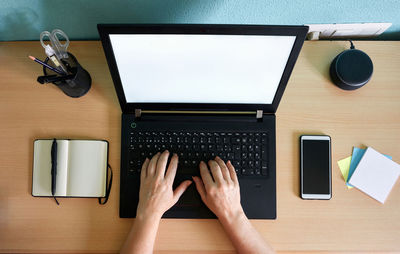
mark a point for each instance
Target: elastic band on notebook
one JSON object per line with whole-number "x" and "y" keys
{"x": 108, "y": 188}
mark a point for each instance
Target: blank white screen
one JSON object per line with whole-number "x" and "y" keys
{"x": 174, "y": 68}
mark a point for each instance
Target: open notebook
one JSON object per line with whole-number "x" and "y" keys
{"x": 81, "y": 168}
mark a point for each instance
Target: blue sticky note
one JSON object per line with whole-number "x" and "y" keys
{"x": 355, "y": 159}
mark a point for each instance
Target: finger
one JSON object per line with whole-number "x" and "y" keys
{"x": 205, "y": 175}
{"x": 200, "y": 187}
{"x": 232, "y": 172}
{"x": 152, "y": 165}
{"x": 181, "y": 189}
{"x": 216, "y": 171}
{"x": 162, "y": 164}
{"x": 172, "y": 168}
{"x": 143, "y": 172}
{"x": 224, "y": 169}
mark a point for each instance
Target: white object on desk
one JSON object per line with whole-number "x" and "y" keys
{"x": 375, "y": 175}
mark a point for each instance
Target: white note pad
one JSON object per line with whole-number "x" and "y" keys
{"x": 375, "y": 175}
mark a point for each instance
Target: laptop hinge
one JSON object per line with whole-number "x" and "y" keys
{"x": 259, "y": 114}
{"x": 138, "y": 113}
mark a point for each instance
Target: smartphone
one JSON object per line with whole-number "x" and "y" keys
{"x": 315, "y": 167}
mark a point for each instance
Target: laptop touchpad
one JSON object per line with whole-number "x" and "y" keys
{"x": 190, "y": 197}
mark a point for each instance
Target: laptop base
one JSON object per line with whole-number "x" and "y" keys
{"x": 258, "y": 192}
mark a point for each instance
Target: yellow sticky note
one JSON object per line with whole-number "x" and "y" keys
{"x": 344, "y": 166}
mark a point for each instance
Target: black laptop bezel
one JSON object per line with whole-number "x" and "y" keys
{"x": 106, "y": 29}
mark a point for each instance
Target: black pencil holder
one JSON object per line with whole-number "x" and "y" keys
{"x": 80, "y": 82}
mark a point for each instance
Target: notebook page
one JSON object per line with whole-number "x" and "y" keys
{"x": 41, "y": 179}
{"x": 87, "y": 168}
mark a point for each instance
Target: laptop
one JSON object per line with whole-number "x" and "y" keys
{"x": 201, "y": 91}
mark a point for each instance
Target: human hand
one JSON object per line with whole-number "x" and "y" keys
{"x": 156, "y": 195}
{"x": 221, "y": 194}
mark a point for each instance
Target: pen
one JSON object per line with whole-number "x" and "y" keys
{"x": 53, "y": 78}
{"x": 47, "y": 66}
{"x": 53, "y": 166}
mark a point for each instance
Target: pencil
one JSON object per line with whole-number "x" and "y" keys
{"x": 47, "y": 66}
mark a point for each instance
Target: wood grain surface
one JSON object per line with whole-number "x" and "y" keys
{"x": 350, "y": 222}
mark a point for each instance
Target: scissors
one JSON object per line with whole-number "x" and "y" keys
{"x": 60, "y": 49}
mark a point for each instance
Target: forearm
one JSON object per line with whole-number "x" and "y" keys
{"x": 243, "y": 235}
{"x": 142, "y": 235}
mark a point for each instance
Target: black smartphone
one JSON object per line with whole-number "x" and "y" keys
{"x": 315, "y": 167}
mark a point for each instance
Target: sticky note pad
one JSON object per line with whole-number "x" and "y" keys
{"x": 355, "y": 159}
{"x": 375, "y": 175}
{"x": 344, "y": 166}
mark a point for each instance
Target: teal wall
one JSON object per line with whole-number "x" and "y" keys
{"x": 25, "y": 19}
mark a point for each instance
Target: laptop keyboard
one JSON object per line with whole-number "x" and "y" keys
{"x": 246, "y": 150}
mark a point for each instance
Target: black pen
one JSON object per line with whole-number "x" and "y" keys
{"x": 53, "y": 78}
{"x": 53, "y": 166}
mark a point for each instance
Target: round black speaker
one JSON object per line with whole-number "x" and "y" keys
{"x": 351, "y": 69}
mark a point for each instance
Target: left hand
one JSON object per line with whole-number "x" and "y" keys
{"x": 156, "y": 195}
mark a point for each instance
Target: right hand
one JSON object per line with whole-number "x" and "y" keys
{"x": 220, "y": 192}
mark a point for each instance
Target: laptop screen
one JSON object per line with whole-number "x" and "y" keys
{"x": 201, "y": 68}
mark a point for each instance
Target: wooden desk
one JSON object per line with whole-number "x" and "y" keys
{"x": 351, "y": 221}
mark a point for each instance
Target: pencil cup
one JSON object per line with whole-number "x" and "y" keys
{"x": 80, "y": 81}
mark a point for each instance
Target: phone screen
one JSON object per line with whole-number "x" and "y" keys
{"x": 316, "y": 166}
